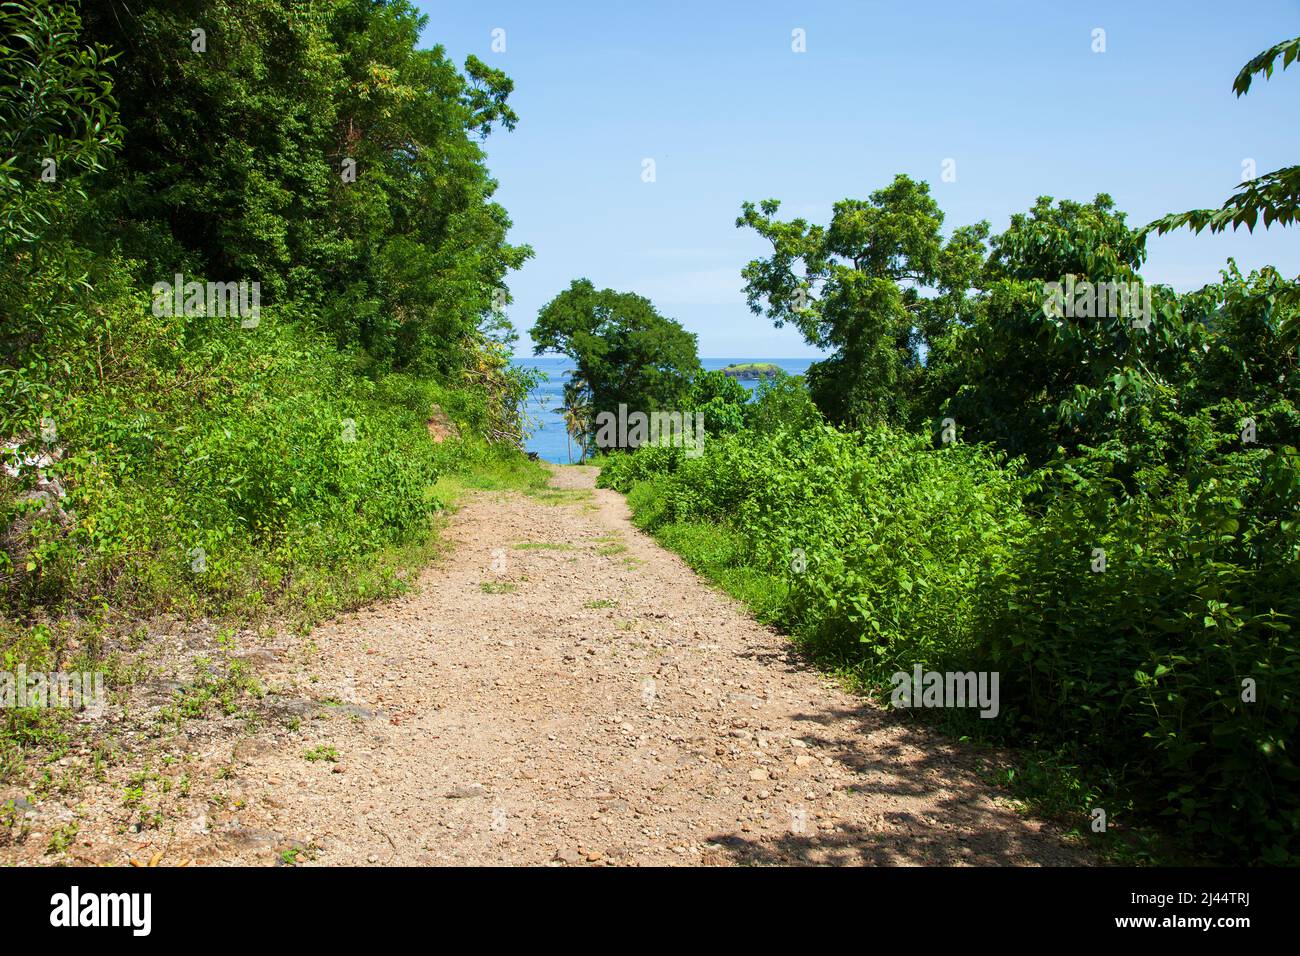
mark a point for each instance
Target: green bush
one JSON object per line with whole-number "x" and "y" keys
{"x": 781, "y": 402}
{"x": 878, "y": 537}
{"x": 215, "y": 463}
{"x": 878, "y": 551}
{"x": 1140, "y": 666}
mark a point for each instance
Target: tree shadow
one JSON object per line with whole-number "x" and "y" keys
{"x": 916, "y": 797}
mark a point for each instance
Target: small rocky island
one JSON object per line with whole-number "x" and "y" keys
{"x": 748, "y": 371}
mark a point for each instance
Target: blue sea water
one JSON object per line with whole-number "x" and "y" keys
{"x": 548, "y": 437}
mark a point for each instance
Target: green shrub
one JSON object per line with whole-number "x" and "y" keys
{"x": 878, "y": 537}
{"x": 1140, "y": 666}
{"x": 878, "y": 552}
{"x": 216, "y": 465}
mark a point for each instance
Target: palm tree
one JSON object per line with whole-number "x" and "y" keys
{"x": 576, "y": 412}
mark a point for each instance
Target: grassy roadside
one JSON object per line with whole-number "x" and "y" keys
{"x": 118, "y": 642}
{"x": 488, "y": 471}
{"x": 1046, "y": 783}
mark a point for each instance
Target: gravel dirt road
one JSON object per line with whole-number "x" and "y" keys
{"x": 560, "y": 690}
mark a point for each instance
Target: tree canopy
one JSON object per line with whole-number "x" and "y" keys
{"x": 856, "y": 287}
{"x": 624, "y": 350}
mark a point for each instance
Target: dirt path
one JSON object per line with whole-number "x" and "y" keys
{"x": 607, "y": 706}
{"x": 561, "y": 690}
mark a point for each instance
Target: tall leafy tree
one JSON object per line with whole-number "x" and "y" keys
{"x": 625, "y": 351}
{"x": 856, "y": 288}
{"x": 1023, "y": 377}
{"x": 316, "y": 149}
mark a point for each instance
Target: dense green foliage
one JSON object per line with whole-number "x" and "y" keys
{"x": 1096, "y": 503}
{"x": 1034, "y": 382}
{"x": 721, "y": 399}
{"x": 880, "y": 552}
{"x": 314, "y": 148}
{"x": 626, "y": 353}
{"x": 855, "y": 287}
{"x": 207, "y": 460}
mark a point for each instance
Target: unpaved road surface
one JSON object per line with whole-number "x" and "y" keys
{"x": 559, "y": 690}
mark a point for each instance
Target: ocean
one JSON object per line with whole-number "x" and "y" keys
{"x": 548, "y": 437}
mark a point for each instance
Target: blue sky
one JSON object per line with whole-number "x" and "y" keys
{"x": 714, "y": 94}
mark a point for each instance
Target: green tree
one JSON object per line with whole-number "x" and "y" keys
{"x": 576, "y": 412}
{"x": 1025, "y": 378}
{"x": 316, "y": 149}
{"x": 625, "y": 351}
{"x": 856, "y": 288}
